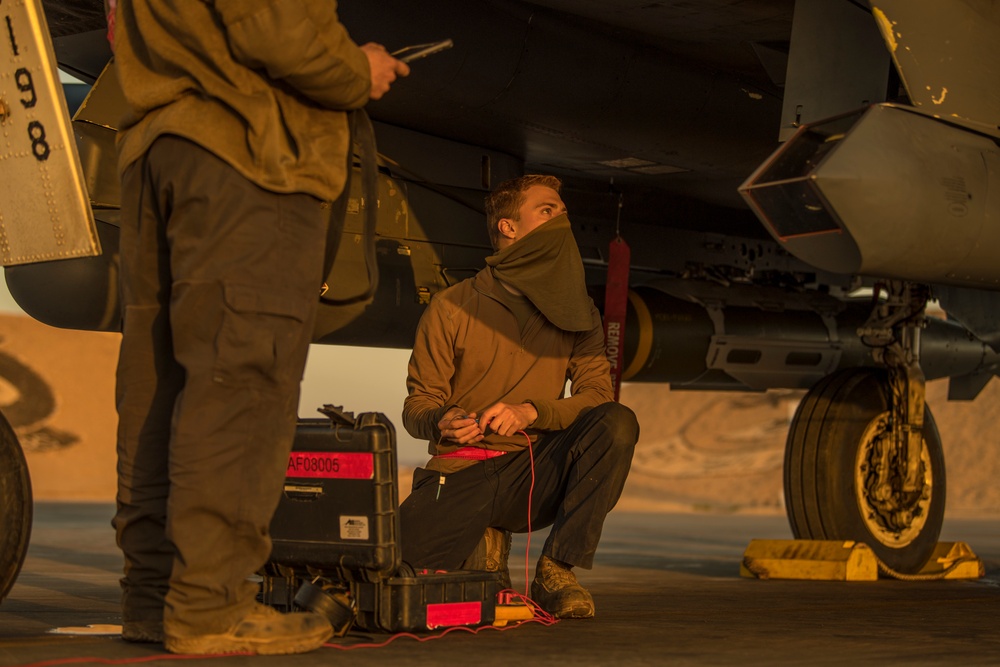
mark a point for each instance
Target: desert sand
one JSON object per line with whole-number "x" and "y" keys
{"x": 698, "y": 451}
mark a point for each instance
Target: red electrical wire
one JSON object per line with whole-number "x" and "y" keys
{"x": 531, "y": 491}
{"x": 541, "y": 616}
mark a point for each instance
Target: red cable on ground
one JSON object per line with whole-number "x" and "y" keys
{"x": 541, "y": 616}
{"x": 531, "y": 491}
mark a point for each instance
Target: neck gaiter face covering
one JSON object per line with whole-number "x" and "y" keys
{"x": 545, "y": 266}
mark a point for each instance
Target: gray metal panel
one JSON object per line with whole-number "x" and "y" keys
{"x": 772, "y": 363}
{"x": 947, "y": 53}
{"x": 44, "y": 210}
{"x": 912, "y": 192}
{"x": 96, "y": 126}
{"x": 914, "y": 196}
{"x": 837, "y": 62}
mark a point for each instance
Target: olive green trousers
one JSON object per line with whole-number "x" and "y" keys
{"x": 219, "y": 282}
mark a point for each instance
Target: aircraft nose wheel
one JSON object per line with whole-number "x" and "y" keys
{"x": 15, "y": 507}
{"x": 842, "y": 483}
{"x": 896, "y": 517}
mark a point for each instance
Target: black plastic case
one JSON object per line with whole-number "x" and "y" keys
{"x": 428, "y": 601}
{"x": 337, "y": 525}
{"x": 338, "y": 511}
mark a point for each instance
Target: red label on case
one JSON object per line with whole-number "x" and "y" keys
{"x": 447, "y": 614}
{"x": 339, "y": 465}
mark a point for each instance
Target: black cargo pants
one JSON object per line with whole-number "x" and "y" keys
{"x": 219, "y": 282}
{"x": 579, "y": 474}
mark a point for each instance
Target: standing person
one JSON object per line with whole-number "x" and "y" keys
{"x": 487, "y": 375}
{"x": 235, "y": 142}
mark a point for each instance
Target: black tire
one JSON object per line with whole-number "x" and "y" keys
{"x": 15, "y": 507}
{"x": 828, "y": 459}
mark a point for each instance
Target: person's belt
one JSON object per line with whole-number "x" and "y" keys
{"x": 473, "y": 453}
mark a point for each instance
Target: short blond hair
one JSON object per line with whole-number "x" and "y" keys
{"x": 507, "y": 198}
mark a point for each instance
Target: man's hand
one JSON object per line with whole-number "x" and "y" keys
{"x": 384, "y": 69}
{"x": 506, "y": 419}
{"x": 460, "y": 428}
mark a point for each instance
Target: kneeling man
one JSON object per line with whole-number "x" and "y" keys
{"x": 486, "y": 385}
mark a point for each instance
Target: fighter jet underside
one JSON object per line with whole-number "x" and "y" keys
{"x": 796, "y": 180}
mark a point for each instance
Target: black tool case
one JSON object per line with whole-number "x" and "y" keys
{"x": 338, "y": 510}
{"x": 427, "y": 601}
{"x": 337, "y": 529}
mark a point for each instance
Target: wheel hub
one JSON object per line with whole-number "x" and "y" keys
{"x": 895, "y": 517}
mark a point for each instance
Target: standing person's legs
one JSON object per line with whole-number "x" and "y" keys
{"x": 246, "y": 272}
{"x": 148, "y": 381}
{"x": 245, "y": 269}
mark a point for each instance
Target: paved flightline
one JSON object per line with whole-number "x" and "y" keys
{"x": 666, "y": 586}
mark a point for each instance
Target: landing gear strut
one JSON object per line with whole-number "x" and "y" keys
{"x": 863, "y": 459}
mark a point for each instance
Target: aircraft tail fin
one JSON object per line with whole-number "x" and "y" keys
{"x": 967, "y": 387}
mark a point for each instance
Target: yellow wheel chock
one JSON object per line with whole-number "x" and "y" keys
{"x": 835, "y": 560}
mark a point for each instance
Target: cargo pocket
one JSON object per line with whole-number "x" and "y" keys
{"x": 422, "y": 477}
{"x": 262, "y": 337}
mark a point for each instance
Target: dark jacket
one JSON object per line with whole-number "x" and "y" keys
{"x": 262, "y": 84}
{"x": 469, "y": 353}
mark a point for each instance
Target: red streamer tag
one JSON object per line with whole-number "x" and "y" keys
{"x": 448, "y": 614}
{"x": 339, "y": 465}
{"x": 111, "y": 23}
{"x": 615, "y": 308}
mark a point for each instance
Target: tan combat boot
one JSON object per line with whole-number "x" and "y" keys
{"x": 264, "y": 631}
{"x": 557, "y": 591}
{"x": 491, "y": 555}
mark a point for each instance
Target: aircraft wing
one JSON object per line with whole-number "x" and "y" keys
{"x": 79, "y": 35}
{"x": 765, "y": 159}
{"x": 654, "y": 114}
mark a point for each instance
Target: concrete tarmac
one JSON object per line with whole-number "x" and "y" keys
{"x": 667, "y": 590}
